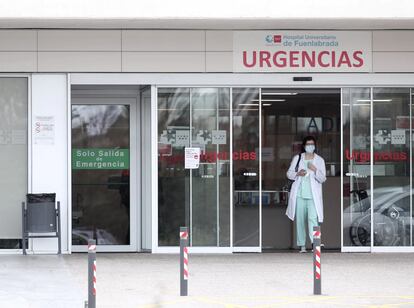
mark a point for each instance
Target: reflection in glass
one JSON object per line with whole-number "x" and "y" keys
{"x": 13, "y": 158}
{"x": 210, "y": 113}
{"x": 100, "y": 174}
{"x": 173, "y": 179}
{"x": 356, "y": 178}
{"x": 391, "y": 139}
{"x": 411, "y": 128}
{"x": 246, "y": 167}
{"x": 207, "y": 111}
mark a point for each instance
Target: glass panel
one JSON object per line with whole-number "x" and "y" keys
{"x": 246, "y": 167}
{"x": 211, "y": 181}
{"x": 173, "y": 179}
{"x": 286, "y": 120}
{"x": 13, "y": 159}
{"x": 356, "y": 115}
{"x": 100, "y": 174}
{"x": 391, "y": 138}
{"x": 410, "y": 126}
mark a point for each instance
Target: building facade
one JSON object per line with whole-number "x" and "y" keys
{"x": 103, "y": 118}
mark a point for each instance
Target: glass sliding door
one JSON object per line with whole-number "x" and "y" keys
{"x": 377, "y": 167}
{"x": 286, "y": 120}
{"x": 391, "y": 183}
{"x": 196, "y": 198}
{"x": 410, "y": 126}
{"x": 210, "y": 118}
{"x": 246, "y": 168}
{"x": 173, "y": 179}
{"x": 356, "y": 125}
{"x": 221, "y": 201}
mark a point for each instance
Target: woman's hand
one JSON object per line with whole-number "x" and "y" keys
{"x": 301, "y": 173}
{"x": 312, "y": 167}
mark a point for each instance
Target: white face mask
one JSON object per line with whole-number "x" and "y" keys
{"x": 309, "y": 148}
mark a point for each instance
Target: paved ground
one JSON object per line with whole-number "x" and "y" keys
{"x": 228, "y": 281}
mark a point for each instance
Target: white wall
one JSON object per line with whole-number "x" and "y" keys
{"x": 49, "y": 161}
{"x": 164, "y": 51}
{"x": 393, "y": 51}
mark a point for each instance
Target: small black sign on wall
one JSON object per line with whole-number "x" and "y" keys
{"x": 304, "y": 78}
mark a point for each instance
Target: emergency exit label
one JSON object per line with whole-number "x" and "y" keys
{"x": 100, "y": 159}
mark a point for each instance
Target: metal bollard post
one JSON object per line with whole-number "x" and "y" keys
{"x": 91, "y": 274}
{"x": 183, "y": 261}
{"x": 317, "y": 274}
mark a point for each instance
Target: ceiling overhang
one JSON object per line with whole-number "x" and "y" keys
{"x": 210, "y": 23}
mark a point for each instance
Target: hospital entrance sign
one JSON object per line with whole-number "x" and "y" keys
{"x": 302, "y": 51}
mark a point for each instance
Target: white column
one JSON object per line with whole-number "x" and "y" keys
{"x": 50, "y": 155}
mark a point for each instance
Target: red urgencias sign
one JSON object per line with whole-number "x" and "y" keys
{"x": 302, "y": 51}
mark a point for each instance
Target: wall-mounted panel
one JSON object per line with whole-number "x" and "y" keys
{"x": 393, "y": 62}
{"x": 79, "y": 40}
{"x": 18, "y": 40}
{"x": 18, "y": 61}
{"x": 79, "y": 61}
{"x": 218, "y": 61}
{"x": 219, "y": 40}
{"x": 163, "y": 62}
{"x": 163, "y": 40}
{"x": 393, "y": 40}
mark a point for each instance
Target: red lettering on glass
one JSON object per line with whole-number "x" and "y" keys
{"x": 364, "y": 156}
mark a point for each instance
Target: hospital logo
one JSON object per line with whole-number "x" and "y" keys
{"x": 275, "y": 39}
{"x": 180, "y": 137}
{"x": 384, "y": 136}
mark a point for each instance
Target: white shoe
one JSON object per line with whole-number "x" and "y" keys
{"x": 302, "y": 249}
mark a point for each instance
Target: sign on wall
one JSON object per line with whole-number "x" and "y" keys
{"x": 44, "y": 130}
{"x": 302, "y": 51}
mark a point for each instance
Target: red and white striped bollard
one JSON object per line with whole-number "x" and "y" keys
{"x": 91, "y": 274}
{"x": 317, "y": 272}
{"x": 183, "y": 261}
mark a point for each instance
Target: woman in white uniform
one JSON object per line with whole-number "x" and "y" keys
{"x": 308, "y": 172}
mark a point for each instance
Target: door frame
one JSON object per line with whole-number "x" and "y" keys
{"x": 259, "y": 80}
{"x": 134, "y": 181}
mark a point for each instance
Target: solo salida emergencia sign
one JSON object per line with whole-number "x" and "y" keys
{"x": 100, "y": 159}
{"x": 302, "y": 51}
